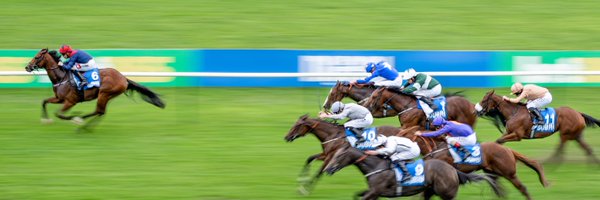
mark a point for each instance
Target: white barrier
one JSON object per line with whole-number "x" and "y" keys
{"x": 283, "y": 75}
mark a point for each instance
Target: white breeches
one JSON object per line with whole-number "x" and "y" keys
{"x": 433, "y": 92}
{"x": 393, "y": 83}
{"x": 86, "y": 66}
{"x": 406, "y": 153}
{"x": 360, "y": 123}
{"x": 541, "y": 102}
{"x": 469, "y": 140}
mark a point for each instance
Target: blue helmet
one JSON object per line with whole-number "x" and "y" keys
{"x": 370, "y": 67}
{"x": 438, "y": 121}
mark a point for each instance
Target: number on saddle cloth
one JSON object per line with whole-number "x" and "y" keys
{"x": 440, "y": 103}
{"x": 92, "y": 76}
{"x": 416, "y": 170}
{"x": 459, "y": 157}
{"x": 549, "y": 126}
{"x": 372, "y": 139}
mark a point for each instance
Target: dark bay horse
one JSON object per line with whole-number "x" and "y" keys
{"x": 441, "y": 179}
{"x": 341, "y": 89}
{"x": 113, "y": 84}
{"x": 331, "y": 136}
{"x": 496, "y": 159}
{"x": 518, "y": 123}
{"x": 386, "y": 102}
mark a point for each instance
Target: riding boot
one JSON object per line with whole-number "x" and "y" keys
{"x": 84, "y": 81}
{"x": 405, "y": 174}
{"x": 429, "y": 102}
{"x": 463, "y": 150}
{"x": 358, "y": 134}
{"x": 536, "y": 113}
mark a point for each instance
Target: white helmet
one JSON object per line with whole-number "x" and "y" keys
{"x": 516, "y": 88}
{"x": 409, "y": 73}
{"x": 337, "y": 107}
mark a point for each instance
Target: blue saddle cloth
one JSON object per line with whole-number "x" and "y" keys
{"x": 373, "y": 140}
{"x": 416, "y": 170}
{"x": 440, "y": 103}
{"x": 549, "y": 125}
{"x": 474, "y": 159}
{"x": 92, "y": 76}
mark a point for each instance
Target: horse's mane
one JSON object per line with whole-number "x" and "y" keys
{"x": 348, "y": 83}
{"x": 55, "y": 55}
{"x": 455, "y": 94}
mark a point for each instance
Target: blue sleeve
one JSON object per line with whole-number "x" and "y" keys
{"x": 443, "y": 130}
{"x": 366, "y": 80}
{"x": 70, "y": 62}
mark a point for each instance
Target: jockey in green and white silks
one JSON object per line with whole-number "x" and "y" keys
{"x": 423, "y": 86}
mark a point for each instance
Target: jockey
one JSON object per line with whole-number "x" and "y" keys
{"x": 401, "y": 150}
{"x": 424, "y": 87}
{"x": 359, "y": 116}
{"x": 458, "y": 134}
{"x": 382, "y": 74}
{"x": 78, "y": 61}
{"x": 537, "y": 97}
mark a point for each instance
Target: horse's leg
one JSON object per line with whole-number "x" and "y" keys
{"x": 54, "y": 100}
{"x": 557, "y": 157}
{"x": 360, "y": 194}
{"x": 306, "y": 183}
{"x": 370, "y": 194}
{"x": 61, "y": 113}
{"x": 586, "y": 147}
{"x": 513, "y": 136}
{"x": 517, "y": 183}
{"x": 428, "y": 194}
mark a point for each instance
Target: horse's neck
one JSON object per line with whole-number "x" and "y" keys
{"x": 358, "y": 94}
{"x": 55, "y": 73}
{"x": 326, "y": 131}
{"x": 508, "y": 109}
{"x": 370, "y": 164}
{"x": 403, "y": 101}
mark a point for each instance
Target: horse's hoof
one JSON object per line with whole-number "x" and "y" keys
{"x": 77, "y": 120}
{"x": 303, "y": 191}
{"x": 47, "y": 121}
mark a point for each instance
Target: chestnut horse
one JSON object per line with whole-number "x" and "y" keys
{"x": 518, "y": 123}
{"x": 387, "y": 102}
{"x": 341, "y": 89}
{"x": 496, "y": 159}
{"x": 66, "y": 93}
{"x": 331, "y": 136}
{"x": 441, "y": 179}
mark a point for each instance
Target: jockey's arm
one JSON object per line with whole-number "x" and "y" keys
{"x": 366, "y": 80}
{"x": 439, "y": 132}
{"x": 70, "y": 62}
{"x": 518, "y": 99}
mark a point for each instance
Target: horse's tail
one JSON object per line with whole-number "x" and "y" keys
{"x": 590, "y": 121}
{"x": 464, "y": 178}
{"x": 533, "y": 165}
{"x": 457, "y": 94}
{"x": 147, "y": 94}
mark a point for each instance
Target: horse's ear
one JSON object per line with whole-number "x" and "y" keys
{"x": 45, "y": 50}
{"x": 303, "y": 117}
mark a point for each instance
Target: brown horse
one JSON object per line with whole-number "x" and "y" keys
{"x": 356, "y": 92}
{"x": 518, "y": 123}
{"x": 66, "y": 93}
{"x": 496, "y": 159}
{"x": 331, "y": 136}
{"x": 386, "y": 102}
{"x": 440, "y": 178}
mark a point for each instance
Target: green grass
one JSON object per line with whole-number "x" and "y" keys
{"x": 222, "y": 143}
{"x": 307, "y": 24}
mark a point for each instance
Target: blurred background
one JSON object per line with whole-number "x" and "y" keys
{"x": 222, "y": 138}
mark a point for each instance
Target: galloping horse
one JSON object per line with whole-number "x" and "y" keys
{"x": 440, "y": 178}
{"x": 384, "y": 102}
{"x": 65, "y": 91}
{"x": 356, "y": 92}
{"x": 331, "y": 136}
{"x": 518, "y": 123}
{"x": 496, "y": 159}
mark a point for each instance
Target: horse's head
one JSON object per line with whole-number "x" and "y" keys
{"x": 490, "y": 102}
{"x": 376, "y": 100}
{"x": 343, "y": 157}
{"x": 302, "y": 126}
{"x": 337, "y": 93}
{"x": 42, "y": 59}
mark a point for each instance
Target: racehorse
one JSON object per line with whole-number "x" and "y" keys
{"x": 66, "y": 93}
{"x": 387, "y": 102}
{"x": 356, "y": 92}
{"x": 496, "y": 159}
{"x": 518, "y": 123}
{"x": 331, "y": 136}
{"x": 440, "y": 178}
